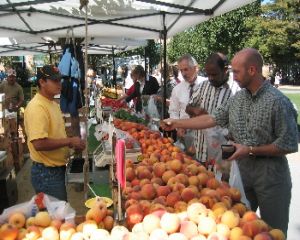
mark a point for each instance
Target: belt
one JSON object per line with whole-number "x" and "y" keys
{"x": 43, "y": 165}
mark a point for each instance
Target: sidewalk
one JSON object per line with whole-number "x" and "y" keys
{"x": 289, "y": 87}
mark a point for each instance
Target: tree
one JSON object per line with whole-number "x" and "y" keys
{"x": 276, "y": 33}
{"x": 225, "y": 33}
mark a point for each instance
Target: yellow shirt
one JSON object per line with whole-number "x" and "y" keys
{"x": 43, "y": 119}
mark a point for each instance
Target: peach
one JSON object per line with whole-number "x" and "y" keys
{"x": 177, "y": 236}
{"x": 212, "y": 183}
{"x": 148, "y": 191}
{"x": 98, "y": 234}
{"x": 135, "y": 182}
{"x": 56, "y": 223}
{"x": 33, "y": 233}
{"x": 144, "y": 181}
{"x": 88, "y": 227}
{"x": 161, "y": 200}
{"x": 66, "y": 230}
{"x": 219, "y": 205}
{"x": 178, "y": 187}
{"x": 227, "y": 200}
{"x": 130, "y": 174}
{"x": 277, "y": 234}
{"x": 145, "y": 173}
{"x": 172, "y": 181}
{"x": 207, "y": 201}
{"x": 223, "y": 229}
{"x": 158, "y": 234}
{"x": 29, "y": 222}
{"x": 206, "y": 225}
{"x": 108, "y": 222}
{"x": 157, "y": 180}
{"x": 170, "y": 222}
{"x": 251, "y": 228}
{"x": 10, "y": 232}
{"x": 167, "y": 175}
{"x": 163, "y": 190}
{"x": 172, "y": 198}
{"x": 175, "y": 165}
{"x": 193, "y": 169}
{"x": 203, "y": 177}
{"x": 188, "y": 229}
{"x": 188, "y": 194}
{"x": 135, "y": 195}
{"x": 17, "y": 219}
{"x": 180, "y": 206}
{"x": 134, "y": 214}
{"x": 240, "y": 208}
{"x": 159, "y": 169}
{"x": 118, "y": 232}
{"x": 216, "y": 236}
{"x": 146, "y": 205}
{"x": 249, "y": 216}
{"x": 50, "y": 233}
{"x": 42, "y": 219}
{"x": 150, "y": 223}
{"x": 235, "y": 233}
{"x": 230, "y": 218}
{"x": 194, "y": 180}
{"x": 235, "y": 194}
{"x": 182, "y": 178}
{"x": 263, "y": 236}
{"x": 94, "y": 214}
{"x": 195, "y": 210}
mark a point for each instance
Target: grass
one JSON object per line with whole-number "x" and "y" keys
{"x": 295, "y": 98}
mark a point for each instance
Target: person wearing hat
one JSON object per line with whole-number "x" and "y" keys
{"x": 46, "y": 136}
{"x": 14, "y": 96}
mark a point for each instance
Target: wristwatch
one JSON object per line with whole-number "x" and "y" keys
{"x": 251, "y": 151}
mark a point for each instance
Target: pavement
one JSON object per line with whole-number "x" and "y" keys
{"x": 294, "y": 224}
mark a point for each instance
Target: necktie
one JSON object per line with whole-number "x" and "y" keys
{"x": 191, "y": 89}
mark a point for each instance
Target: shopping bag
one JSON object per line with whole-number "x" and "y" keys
{"x": 151, "y": 109}
{"x": 75, "y": 70}
{"x": 235, "y": 180}
{"x": 65, "y": 63}
{"x": 57, "y": 209}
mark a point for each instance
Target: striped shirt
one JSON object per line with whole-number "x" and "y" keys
{"x": 266, "y": 117}
{"x": 209, "y": 98}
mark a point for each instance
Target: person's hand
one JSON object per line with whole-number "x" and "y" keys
{"x": 194, "y": 111}
{"x": 241, "y": 151}
{"x": 77, "y": 143}
{"x": 168, "y": 124}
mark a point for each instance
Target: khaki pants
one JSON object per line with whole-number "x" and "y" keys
{"x": 267, "y": 184}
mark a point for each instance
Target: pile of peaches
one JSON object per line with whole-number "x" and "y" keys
{"x": 96, "y": 225}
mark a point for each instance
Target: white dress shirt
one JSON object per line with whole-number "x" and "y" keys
{"x": 180, "y": 97}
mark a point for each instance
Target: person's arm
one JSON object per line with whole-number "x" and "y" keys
{"x": 200, "y": 122}
{"x": 122, "y": 97}
{"x": 194, "y": 111}
{"x": 136, "y": 92}
{"x": 49, "y": 144}
{"x": 21, "y": 99}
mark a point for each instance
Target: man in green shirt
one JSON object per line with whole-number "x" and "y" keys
{"x": 14, "y": 96}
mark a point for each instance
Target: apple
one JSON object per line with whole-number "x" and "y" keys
{"x": 29, "y": 222}
{"x": 9, "y": 232}
{"x": 17, "y": 219}
{"x": 33, "y": 233}
{"x": 88, "y": 227}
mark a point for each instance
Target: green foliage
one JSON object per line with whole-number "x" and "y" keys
{"x": 225, "y": 33}
{"x": 276, "y": 33}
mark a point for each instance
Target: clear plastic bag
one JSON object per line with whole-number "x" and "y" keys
{"x": 57, "y": 209}
{"x": 151, "y": 109}
{"x": 235, "y": 180}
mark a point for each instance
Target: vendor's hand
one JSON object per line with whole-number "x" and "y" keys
{"x": 180, "y": 132}
{"x": 241, "y": 151}
{"x": 77, "y": 143}
{"x": 168, "y": 124}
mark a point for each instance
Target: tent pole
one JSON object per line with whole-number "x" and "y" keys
{"x": 114, "y": 69}
{"x": 165, "y": 65}
{"x": 86, "y": 109}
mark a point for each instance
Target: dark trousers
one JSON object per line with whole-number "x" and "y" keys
{"x": 49, "y": 180}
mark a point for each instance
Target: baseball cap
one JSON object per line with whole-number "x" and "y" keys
{"x": 11, "y": 72}
{"x": 48, "y": 72}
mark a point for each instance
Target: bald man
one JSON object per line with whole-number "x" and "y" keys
{"x": 262, "y": 123}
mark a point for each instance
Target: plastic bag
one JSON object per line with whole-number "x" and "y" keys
{"x": 65, "y": 63}
{"x": 151, "y": 109}
{"x": 235, "y": 180}
{"x": 215, "y": 138}
{"x": 57, "y": 209}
